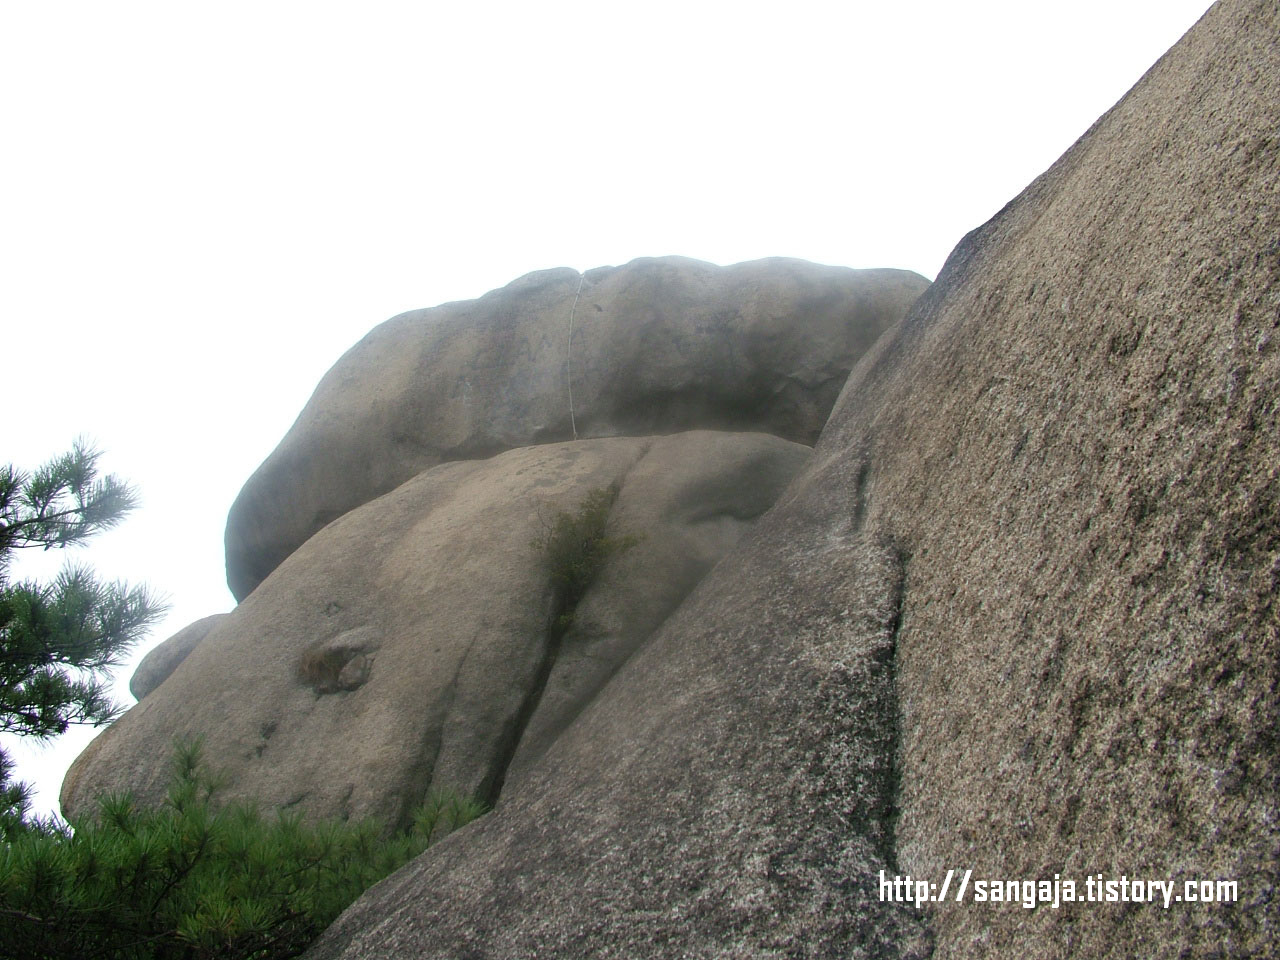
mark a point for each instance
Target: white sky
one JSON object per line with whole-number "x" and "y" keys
{"x": 203, "y": 205}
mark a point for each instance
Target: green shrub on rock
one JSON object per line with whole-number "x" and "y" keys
{"x": 576, "y": 547}
{"x": 191, "y": 882}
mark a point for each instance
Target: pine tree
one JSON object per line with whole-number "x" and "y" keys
{"x": 190, "y": 879}
{"x": 195, "y": 880}
{"x": 59, "y": 640}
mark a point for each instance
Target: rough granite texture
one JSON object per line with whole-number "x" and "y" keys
{"x": 1074, "y": 440}
{"x": 658, "y": 346}
{"x": 730, "y": 795}
{"x": 409, "y": 645}
{"x": 1017, "y": 616}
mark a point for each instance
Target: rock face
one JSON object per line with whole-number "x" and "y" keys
{"x": 1016, "y": 617}
{"x": 414, "y": 643}
{"x": 658, "y": 346}
{"x": 730, "y": 794}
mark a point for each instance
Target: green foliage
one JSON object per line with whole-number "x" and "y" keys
{"x": 191, "y": 882}
{"x": 444, "y": 813}
{"x": 58, "y": 640}
{"x": 576, "y": 547}
{"x": 61, "y": 503}
{"x": 14, "y": 802}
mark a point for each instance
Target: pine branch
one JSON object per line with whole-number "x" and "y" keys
{"x": 62, "y": 503}
{"x": 58, "y": 641}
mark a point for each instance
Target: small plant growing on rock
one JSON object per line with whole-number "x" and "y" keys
{"x": 443, "y": 812}
{"x": 577, "y": 546}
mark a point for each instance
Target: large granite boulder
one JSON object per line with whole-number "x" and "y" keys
{"x": 1017, "y": 616}
{"x": 730, "y": 794}
{"x": 657, "y": 346}
{"x": 419, "y": 641}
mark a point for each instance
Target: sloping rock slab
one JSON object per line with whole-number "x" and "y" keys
{"x": 1074, "y": 440}
{"x": 1064, "y": 466}
{"x": 730, "y": 795}
{"x": 409, "y": 645}
{"x": 658, "y": 346}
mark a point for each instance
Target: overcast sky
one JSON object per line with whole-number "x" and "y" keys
{"x": 203, "y": 205}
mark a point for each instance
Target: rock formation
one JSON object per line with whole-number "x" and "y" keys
{"x": 1014, "y": 615}
{"x": 1017, "y": 616}
{"x": 656, "y": 346}
{"x": 415, "y": 642}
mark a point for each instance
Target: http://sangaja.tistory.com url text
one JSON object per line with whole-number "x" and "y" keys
{"x": 1095, "y": 888}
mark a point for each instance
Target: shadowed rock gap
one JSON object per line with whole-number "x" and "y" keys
{"x": 562, "y": 607}
{"x": 893, "y": 713}
{"x": 420, "y": 779}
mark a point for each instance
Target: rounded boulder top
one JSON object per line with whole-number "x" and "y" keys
{"x": 657, "y": 346}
